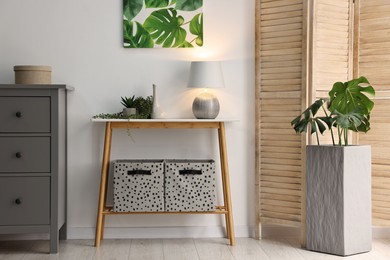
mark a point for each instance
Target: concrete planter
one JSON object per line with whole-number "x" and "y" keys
{"x": 338, "y": 199}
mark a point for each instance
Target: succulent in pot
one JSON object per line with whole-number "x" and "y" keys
{"x": 129, "y": 106}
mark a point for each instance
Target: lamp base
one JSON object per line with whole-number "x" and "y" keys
{"x": 205, "y": 106}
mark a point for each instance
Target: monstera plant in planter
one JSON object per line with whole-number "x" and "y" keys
{"x": 338, "y": 176}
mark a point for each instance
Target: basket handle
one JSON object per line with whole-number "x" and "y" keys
{"x": 198, "y": 172}
{"x": 139, "y": 172}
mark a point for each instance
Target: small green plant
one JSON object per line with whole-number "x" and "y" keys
{"x": 348, "y": 108}
{"x": 109, "y": 116}
{"x": 144, "y": 107}
{"x": 128, "y": 102}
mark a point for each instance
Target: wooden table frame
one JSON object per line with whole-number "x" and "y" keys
{"x": 225, "y": 209}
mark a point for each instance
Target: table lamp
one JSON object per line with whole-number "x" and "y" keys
{"x": 205, "y": 74}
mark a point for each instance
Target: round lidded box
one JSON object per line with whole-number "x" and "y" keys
{"x": 29, "y": 74}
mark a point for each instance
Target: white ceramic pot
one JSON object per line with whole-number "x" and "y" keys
{"x": 129, "y": 111}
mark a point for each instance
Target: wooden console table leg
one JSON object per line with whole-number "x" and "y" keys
{"x": 226, "y": 184}
{"x": 102, "y": 223}
{"x": 221, "y": 156}
{"x": 103, "y": 184}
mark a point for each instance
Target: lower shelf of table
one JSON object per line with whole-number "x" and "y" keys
{"x": 219, "y": 210}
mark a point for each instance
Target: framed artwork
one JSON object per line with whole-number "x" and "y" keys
{"x": 162, "y": 23}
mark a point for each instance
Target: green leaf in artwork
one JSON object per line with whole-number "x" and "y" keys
{"x": 135, "y": 36}
{"x": 188, "y": 5}
{"x": 131, "y": 8}
{"x": 196, "y": 24}
{"x": 156, "y": 3}
{"x": 165, "y": 28}
{"x": 199, "y": 41}
{"x": 186, "y": 45}
{"x": 196, "y": 28}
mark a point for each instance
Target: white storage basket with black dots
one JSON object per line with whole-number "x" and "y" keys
{"x": 138, "y": 185}
{"x": 189, "y": 185}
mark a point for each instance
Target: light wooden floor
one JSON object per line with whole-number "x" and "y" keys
{"x": 178, "y": 249}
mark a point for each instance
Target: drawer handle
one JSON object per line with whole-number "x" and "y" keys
{"x": 136, "y": 172}
{"x": 18, "y": 155}
{"x": 198, "y": 172}
{"x": 18, "y": 201}
{"x": 18, "y": 114}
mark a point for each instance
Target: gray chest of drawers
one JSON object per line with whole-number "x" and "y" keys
{"x": 33, "y": 160}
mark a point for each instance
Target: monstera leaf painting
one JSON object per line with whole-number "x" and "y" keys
{"x": 162, "y": 23}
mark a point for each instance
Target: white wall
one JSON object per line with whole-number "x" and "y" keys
{"x": 82, "y": 41}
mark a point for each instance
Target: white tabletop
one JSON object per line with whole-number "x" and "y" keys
{"x": 166, "y": 120}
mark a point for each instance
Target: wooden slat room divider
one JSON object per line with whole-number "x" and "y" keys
{"x": 331, "y": 50}
{"x": 281, "y": 89}
{"x": 302, "y": 48}
{"x": 373, "y": 60}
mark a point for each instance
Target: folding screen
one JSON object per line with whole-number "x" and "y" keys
{"x": 373, "y": 59}
{"x": 303, "y": 47}
{"x": 280, "y": 76}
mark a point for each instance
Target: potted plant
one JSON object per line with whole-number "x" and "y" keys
{"x": 338, "y": 176}
{"x": 129, "y": 106}
{"x": 144, "y": 107}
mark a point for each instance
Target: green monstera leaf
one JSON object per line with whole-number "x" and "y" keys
{"x": 165, "y": 28}
{"x": 196, "y": 28}
{"x": 188, "y": 5}
{"x": 308, "y": 117}
{"x": 156, "y": 3}
{"x": 131, "y": 8}
{"x": 346, "y": 97}
{"x": 351, "y": 120}
{"x": 135, "y": 36}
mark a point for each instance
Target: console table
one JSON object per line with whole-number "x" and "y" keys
{"x": 218, "y": 124}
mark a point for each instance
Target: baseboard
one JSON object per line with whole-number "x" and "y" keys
{"x": 158, "y": 232}
{"x": 178, "y": 232}
{"x": 381, "y": 232}
{"x": 140, "y": 232}
{"x": 280, "y": 231}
